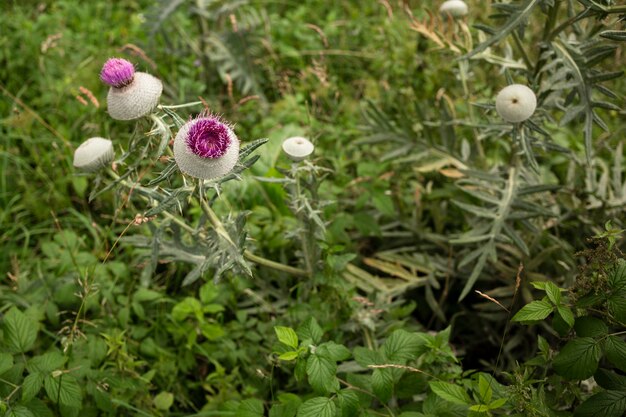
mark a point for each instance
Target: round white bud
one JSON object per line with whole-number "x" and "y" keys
{"x": 93, "y": 154}
{"x": 454, "y": 8}
{"x": 298, "y": 148}
{"x": 516, "y": 103}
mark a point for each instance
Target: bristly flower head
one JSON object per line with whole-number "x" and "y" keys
{"x": 206, "y": 147}
{"x": 117, "y": 72}
{"x": 208, "y": 137}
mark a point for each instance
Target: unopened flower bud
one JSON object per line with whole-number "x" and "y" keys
{"x": 206, "y": 148}
{"x": 298, "y": 148}
{"x": 516, "y": 103}
{"x": 453, "y": 8}
{"x": 93, "y": 154}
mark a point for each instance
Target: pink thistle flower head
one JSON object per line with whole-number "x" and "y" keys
{"x": 208, "y": 137}
{"x": 117, "y": 72}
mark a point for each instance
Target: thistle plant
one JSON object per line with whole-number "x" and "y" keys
{"x": 206, "y": 154}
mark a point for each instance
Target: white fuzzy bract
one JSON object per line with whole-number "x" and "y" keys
{"x": 516, "y": 103}
{"x": 135, "y": 100}
{"x": 298, "y": 148}
{"x": 204, "y": 168}
{"x": 454, "y": 8}
{"x": 93, "y": 154}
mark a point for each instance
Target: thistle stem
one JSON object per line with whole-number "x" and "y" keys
{"x": 180, "y": 106}
{"x": 219, "y": 228}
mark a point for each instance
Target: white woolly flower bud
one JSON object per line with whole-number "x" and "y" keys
{"x": 206, "y": 148}
{"x": 454, "y": 8}
{"x": 298, "y": 148}
{"x": 516, "y": 103}
{"x": 136, "y": 99}
{"x": 132, "y": 94}
{"x": 93, "y": 154}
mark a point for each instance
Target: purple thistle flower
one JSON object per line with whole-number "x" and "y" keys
{"x": 208, "y": 137}
{"x": 117, "y": 72}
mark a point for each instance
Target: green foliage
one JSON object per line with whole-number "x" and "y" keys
{"x": 342, "y": 285}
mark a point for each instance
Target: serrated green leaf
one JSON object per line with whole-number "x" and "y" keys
{"x": 554, "y": 293}
{"x": 402, "y": 346}
{"x": 311, "y": 330}
{"x": 566, "y": 314}
{"x": 495, "y": 404}
{"x": 382, "y": 384}
{"x": 450, "y": 392}
{"x": 485, "y": 392}
{"x": 46, "y": 363}
{"x": 366, "y": 357}
{"x": 610, "y": 380}
{"x": 348, "y": 403}
{"x": 20, "y": 331}
{"x": 617, "y": 306}
{"x": 535, "y": 310}
{"x": 321, "y": 371}
{"x": 317, "y": 407}
{"x": 603, "y": 404}
{"x": 615, "y": 349}
{"x": 334, "y": 351}
{"x": 588, "y": 326}
{"x": 250, "y": 408}
{"x": 187, "y": 307}
{"x": 287, "y": 336}
{"x": 578, "y": 359}
{"x": 19, "y": 411}
{"x": 6, "y": 362}
{"x": 31, "y": 386}
{"x": 617, "y": 276}
{"x": 63, "y": 390}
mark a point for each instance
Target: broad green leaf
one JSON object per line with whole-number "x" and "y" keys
{"x": 382, "y": 384}
{"x": 450, "y": 392}
{"x": 484, "y": 389}
{"x": 287, "y": 336}
{"x": 164, "y": 400}
{"x": 535, "y": 310}
{"x": 554, "y": 293}
{"x": 321, "y": 372}
{"x": 31, "y": 386}
{"x": 208, "y": 292}
{"x": 283, "y": 410}
{"x": 46, "y": 363}
{"x": 615, "y": 349}
{"x": 588, "y": 326}
{"x": 366, "y": 357}
{"x": 19, "y": 411}
{"x": 617, "y": 306}
{"x": 63, "y": 390}
{"x": 188, "y": 307}
{"x": 288, "y": 356}
{"x": 334, "y": 351}
{"x": 578, "y": 359}
{"x": 6, "y": 362}
{"x": 497, "y": 403}
{"x": 348, "y": 403}
{"x": 402, "y": 346}
{"x": 310, "y": 330}
{"x": 20, "y": 331}
{"x": 603, "y": 404}
{"x": 251, "y": 408}
{"x": 617, "y": 276}
{"x": 317, "y": 407}
{"x": 480, "y": 408}
{"x": 610, "y": 380}
{"x": 566, "y": 314}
